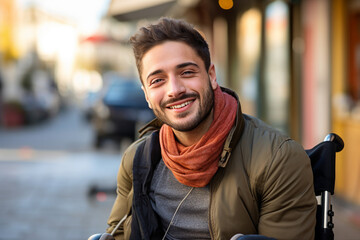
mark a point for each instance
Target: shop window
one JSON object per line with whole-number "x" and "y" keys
{"x": 249, "y": 44}
{"x": 277, "y": 65}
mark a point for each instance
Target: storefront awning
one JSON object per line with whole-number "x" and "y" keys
{"x": 131, "y": 10}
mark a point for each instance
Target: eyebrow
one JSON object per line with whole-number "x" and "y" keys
{"x": 182, "y": 65}
{"x": 154, "y": 73}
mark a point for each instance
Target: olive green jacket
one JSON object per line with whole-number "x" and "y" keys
{"x": 264, "y": 185}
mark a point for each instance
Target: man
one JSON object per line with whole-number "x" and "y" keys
{"x": 205, "y": 170}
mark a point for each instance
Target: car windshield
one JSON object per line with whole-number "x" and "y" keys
{"x": 125, "y": 94}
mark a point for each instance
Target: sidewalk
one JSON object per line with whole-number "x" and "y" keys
{"x": 346, "y": 220}
{"x": 47, "y": 198}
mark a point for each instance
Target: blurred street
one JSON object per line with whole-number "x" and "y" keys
{"x": 47, "y": 173}
{"x": 48, "y": 170}
{"x": 293, "y": 64}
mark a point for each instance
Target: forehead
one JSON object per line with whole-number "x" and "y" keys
{"x": 168, "y": 54}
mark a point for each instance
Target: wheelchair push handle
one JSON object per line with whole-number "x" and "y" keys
{"x": 107, "y": 236}
{"x": 333, "y": 137}
{"x": 101, "y": 236}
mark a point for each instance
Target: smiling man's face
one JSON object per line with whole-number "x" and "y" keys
{"x": 177, "y": 86}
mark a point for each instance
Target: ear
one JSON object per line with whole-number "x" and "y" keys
{"x": 146, "y": 96}
{"x": 212, "y": 76}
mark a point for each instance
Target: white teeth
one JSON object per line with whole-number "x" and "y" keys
{"x": 181, "y": 105}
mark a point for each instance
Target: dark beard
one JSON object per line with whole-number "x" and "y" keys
{"x": 202, "y": 114}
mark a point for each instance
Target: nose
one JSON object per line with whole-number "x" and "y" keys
{"x": 175, "y": 87}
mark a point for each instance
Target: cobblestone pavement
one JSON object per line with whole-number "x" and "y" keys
{"x": 46, "y": 173}
{"x": 47, "y": 197}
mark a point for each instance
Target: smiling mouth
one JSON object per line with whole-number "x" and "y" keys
{"x": 181, "y": 105}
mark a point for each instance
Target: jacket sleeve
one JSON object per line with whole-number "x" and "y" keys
{"x": 123, "y": 201}
{"x": 288, "y": 203}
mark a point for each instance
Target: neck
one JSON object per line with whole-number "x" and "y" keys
{"x": 191, "y": 137}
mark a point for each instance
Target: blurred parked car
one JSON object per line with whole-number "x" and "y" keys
{"x": 120, "y": 112}
{"x": 89, "y": 103}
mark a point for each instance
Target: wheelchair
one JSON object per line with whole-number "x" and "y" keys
{"x": 322, "y": 158}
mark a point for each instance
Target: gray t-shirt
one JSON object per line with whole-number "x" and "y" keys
{"x": 191, "y": 220}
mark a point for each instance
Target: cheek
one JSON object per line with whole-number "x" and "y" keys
{"x": 153, "y": 99}
{"x": 201, "y": 88}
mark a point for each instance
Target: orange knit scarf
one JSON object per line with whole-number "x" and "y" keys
{"x": 195, "y": 165}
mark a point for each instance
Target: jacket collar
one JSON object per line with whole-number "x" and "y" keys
{"x": 231, "y": 140}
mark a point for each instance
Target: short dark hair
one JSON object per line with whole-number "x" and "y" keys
{"x": 168, "y": 29}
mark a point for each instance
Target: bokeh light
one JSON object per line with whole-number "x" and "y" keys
{"x": 226, "y": 4}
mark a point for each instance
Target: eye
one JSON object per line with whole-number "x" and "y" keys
{"x": 156, "y": 81}
{"x": 188, "y": 73}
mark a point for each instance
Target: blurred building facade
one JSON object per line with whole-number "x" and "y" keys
{"x": 294, "y": 63}
{"x": 35, "y": 60}
{"x": 46, "y": 61}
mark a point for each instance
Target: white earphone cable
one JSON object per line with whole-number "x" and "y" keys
{"x": 177, "y": 209}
